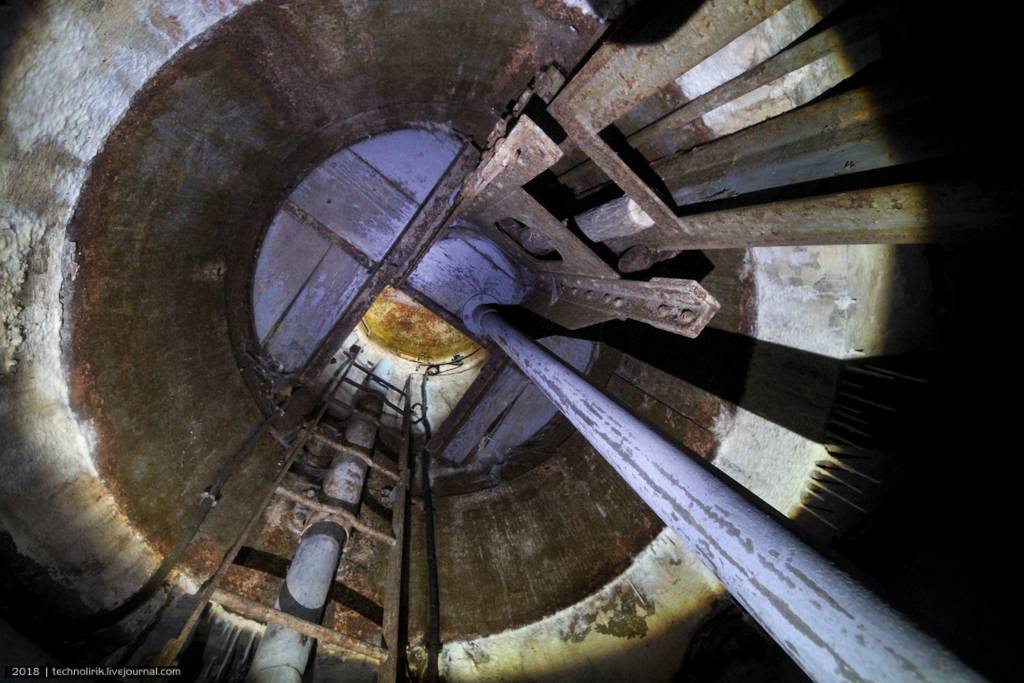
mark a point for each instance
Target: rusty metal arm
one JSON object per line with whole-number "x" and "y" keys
{"x": 910, "y": 213}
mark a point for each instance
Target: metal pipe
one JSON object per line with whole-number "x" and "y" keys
{"x": 832, "y": 626}
{"x": 347, "y": 477}
{"x": 283, "y": 654}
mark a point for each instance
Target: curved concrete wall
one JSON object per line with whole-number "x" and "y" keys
{"x": 171, "y": 137}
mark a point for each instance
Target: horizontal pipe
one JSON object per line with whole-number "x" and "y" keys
{"x": 832, "y": 626}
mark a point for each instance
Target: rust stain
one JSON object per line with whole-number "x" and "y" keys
{"x": 401, "y": 325}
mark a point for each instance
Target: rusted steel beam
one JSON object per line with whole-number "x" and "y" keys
{"x": 678, "y": 306}
{"x": 428, "y": 221}
{"x": 355, "y": 452}
{"x": 862, "y": 130}
{"x": 784, "y": 82}
{"x": 515, "y": 160}
{"x": 335, "y": 511}
{"x": 620, "y": 75}
{"x": 833, "y": 627}
{"x": 911, "y": 213}
{"x": 494, "y": 192}
{"x": 396, "y": 590}
{"x": 268, "y": 615}
{"x": 576, "y": 256}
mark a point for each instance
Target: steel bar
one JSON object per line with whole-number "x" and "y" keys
{"x": 833, "y": 627}
{"x": 679, "y": 306}
{"x": 908, "y": 213}
{"x": 355, "y": 452}
{"x": 268, "y": 615}
{"x": 608, "y": 85}
{"x": 395, "y": 596}
{"x": 622, "y": 74}
{"x": 495, "y": 192}
{"x": 782, "y": 83}
{"x": 340, "y": 513}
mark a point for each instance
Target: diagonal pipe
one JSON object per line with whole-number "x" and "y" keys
{"x": 831, "y": 625}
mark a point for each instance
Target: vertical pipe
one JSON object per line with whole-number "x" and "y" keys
{"x": 833, "y": 627}
{"x": 347, "y": 476}
{"x": 283, "y": 654}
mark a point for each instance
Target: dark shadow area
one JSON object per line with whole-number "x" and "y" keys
{"x": 13, "y": 15}
{"x": 729, "y": 647}
{"x": 936, "y": 546}
{"x": 787, "y": 386}
{"x": 637, "y": 163}
{"x": 687, "y": 265}
{"x": 648, "y": 22}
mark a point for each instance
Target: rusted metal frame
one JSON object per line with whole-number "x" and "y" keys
{"x": 857, "y": 126}
{"x": 853, "y": 132}
{"x": 343, "y": 516}
{"x": 619, "y": 76}
{"x": 355, "y": 452}
{"x": 833, "y": 627}
{"x": 332, "y": 237}
{"x": 395, "y": 596}
{"x": 910, "y": 213}
{"x": 268, "y": 615}
{"x": 495, "y": 191}
{"x": 577, "y": 257}
{"x": 467, "y": 403}
{"x": 678, "y": 306}
{"x": 172, "y": 649}
{"x": 431, "y": 216}
{"x": 854, "y": 44}
{"x": 515, "y": 160}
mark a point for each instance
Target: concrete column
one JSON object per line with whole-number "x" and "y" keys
{"x": 833, "y": 627}
{"x": 283, "y": 654}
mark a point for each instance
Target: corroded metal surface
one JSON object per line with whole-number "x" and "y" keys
{"x": 412, "y": 331}
{"x": 400, "y": 259}
{"x": 910, "y": 213}
{"x": 617, "y": 77}
{"x": 679, "y": 306}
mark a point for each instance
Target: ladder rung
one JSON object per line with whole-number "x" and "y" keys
{"x": 268, "y": 615}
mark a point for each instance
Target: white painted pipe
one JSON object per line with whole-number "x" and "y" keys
{"x": 832, "y": 626}
{"x": 283, "y": 654}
